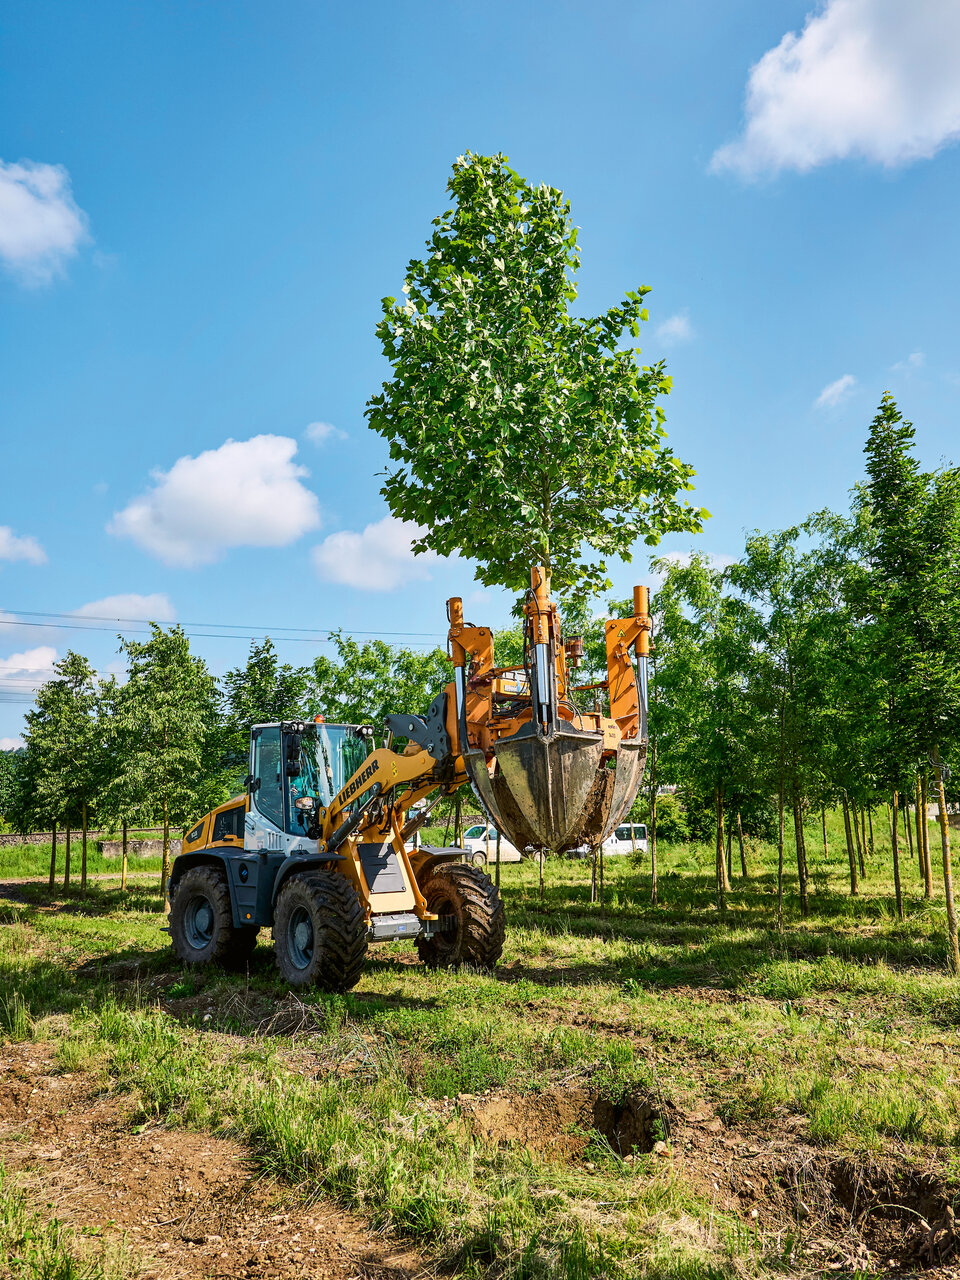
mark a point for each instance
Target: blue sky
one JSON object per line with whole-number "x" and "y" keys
{"x": 202, "y": 204}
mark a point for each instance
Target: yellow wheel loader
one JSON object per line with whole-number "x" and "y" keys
{"x": 319, "y": 848}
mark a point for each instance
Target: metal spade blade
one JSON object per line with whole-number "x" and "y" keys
{"x": 552, "y": 792}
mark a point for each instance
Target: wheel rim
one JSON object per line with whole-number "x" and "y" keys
{"x": 300, "y": 938}
{"x": 448, "y": 940}
{"x": 199, "y": 921}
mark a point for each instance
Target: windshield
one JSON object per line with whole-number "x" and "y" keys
{"x": 330, "y": 754}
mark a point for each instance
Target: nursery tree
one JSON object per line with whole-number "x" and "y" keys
{"x": 165, "y": 717}
{"x": 520, "y": 432}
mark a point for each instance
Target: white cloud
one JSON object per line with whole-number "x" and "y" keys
{"x": 876, "y": 79}
{"x": 11, "y": 744}
{"x": 834, "y": 392}
{"x": 20, "y": 547}
{"x": 378, "y": 559}
{"x": 24, "y": 673}
{"x": 124, "y": 608}
{"x": 40, "y": 224}
{"x": 318, "y": 432}
{"x": 915, "y": 360}
{"x": 247, "y": 493}
{"x": 675, "y": 329}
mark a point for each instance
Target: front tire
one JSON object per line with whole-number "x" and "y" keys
{"x": 471, "y": 898}
{"x": 320, "y": 932}
{"x": 201, "y": 921}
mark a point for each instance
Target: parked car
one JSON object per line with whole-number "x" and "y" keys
{"x": 480, "y": 846}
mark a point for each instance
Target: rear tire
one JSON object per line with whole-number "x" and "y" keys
{"x": 469, "y": 895}
{"x": 478, "y": 858}
{"x": 320, "y": 933}
{"x": 201, "y": 921}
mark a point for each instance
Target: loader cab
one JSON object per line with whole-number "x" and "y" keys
{"x": 296, "y": 769}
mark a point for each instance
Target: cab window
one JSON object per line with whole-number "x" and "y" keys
{"x": 229, "y": 823}
{"x": 474, "y": 833}
{"x": 268, "y": 770}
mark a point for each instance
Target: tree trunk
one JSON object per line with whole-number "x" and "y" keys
{"x": 870, "y": 819}
{"x": 925, "y": 831}
{"x": 923, "y": 851}
{"x": 123, "y": 858}
{"x": 603, "y": 904}
{"x": 953, "y": 954}
{"x": 53, "y": 856}
{"x": 908, "y": 831}
{"x": 165, "y": 869}
{"x": 856, "y": 833}
{"x": 823, "y": 827}
{"x": 723, "y": 861}
{"x": 66, "y": 862}
{"x": 743, "y": 856}
{"x": 801, "y": 854}
{"x": 729, "y": 850}
{"x": 497, "y": 880}
{"x": 83, "y": 851}
{"x": 780, "y": 856}
{"x": 895, "y": 846}
{"x": 652, "y": 841}
{"x": 720, "y": 867}
{"x": 780, "y": 822}
{"x": 851, "y": 852}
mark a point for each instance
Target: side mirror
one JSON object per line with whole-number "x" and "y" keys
{"x": 305, "y": 802}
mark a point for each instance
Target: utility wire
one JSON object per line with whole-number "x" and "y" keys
{"x": 78, "y": 621}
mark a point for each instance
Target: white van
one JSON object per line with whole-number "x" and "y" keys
{"x": 627, "y": 838}
{"x": 480, "y": 846}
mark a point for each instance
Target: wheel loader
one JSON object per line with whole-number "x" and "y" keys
{"x": 319, "y": 846}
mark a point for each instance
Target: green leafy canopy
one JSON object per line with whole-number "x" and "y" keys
{"x": 523, "y": 435}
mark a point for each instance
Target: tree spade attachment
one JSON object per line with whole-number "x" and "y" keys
{"x": 550, "y": 776}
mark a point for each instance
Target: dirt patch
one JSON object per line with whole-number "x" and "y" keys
{"x": 855, "y": 1211}
{"x": 820, "y": 1210}
{"x": 562, "y": 1121}
{"x": 189, "y": 1205}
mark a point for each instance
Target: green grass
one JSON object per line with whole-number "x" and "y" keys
{"x": 36, "y": 1247}
{"x": 845, "y": 1028}
{"x": 17, "y": 861}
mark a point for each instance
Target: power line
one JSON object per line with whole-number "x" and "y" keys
{"x": 78, "y": 621}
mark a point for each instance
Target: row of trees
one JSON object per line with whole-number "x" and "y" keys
{"x": 171, "y": 741}
{"x": 822, "y": 669}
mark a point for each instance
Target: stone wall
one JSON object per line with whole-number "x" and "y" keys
{"x": 12, "y": 841}
{"x": 136, "y": 848}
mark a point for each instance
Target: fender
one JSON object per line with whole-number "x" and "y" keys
{"x": 250, "y": 879}
{"x": 184, "y": 861}
{"x": 293, "y": 865}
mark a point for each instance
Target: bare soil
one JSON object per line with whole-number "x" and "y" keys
{"x": 836, "y": 1212}
{"x": 188, "y": 1205}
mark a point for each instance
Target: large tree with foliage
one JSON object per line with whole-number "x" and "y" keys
{"x": 260, "y": 692}
{"x": 59, "y": 770}
{"x": 368, "y": 681}
{"x": 166, "y": 719}
{"x": 520, "y": 432}
{"x": 910, "y": 592}
{"x": 10, "y": 762}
